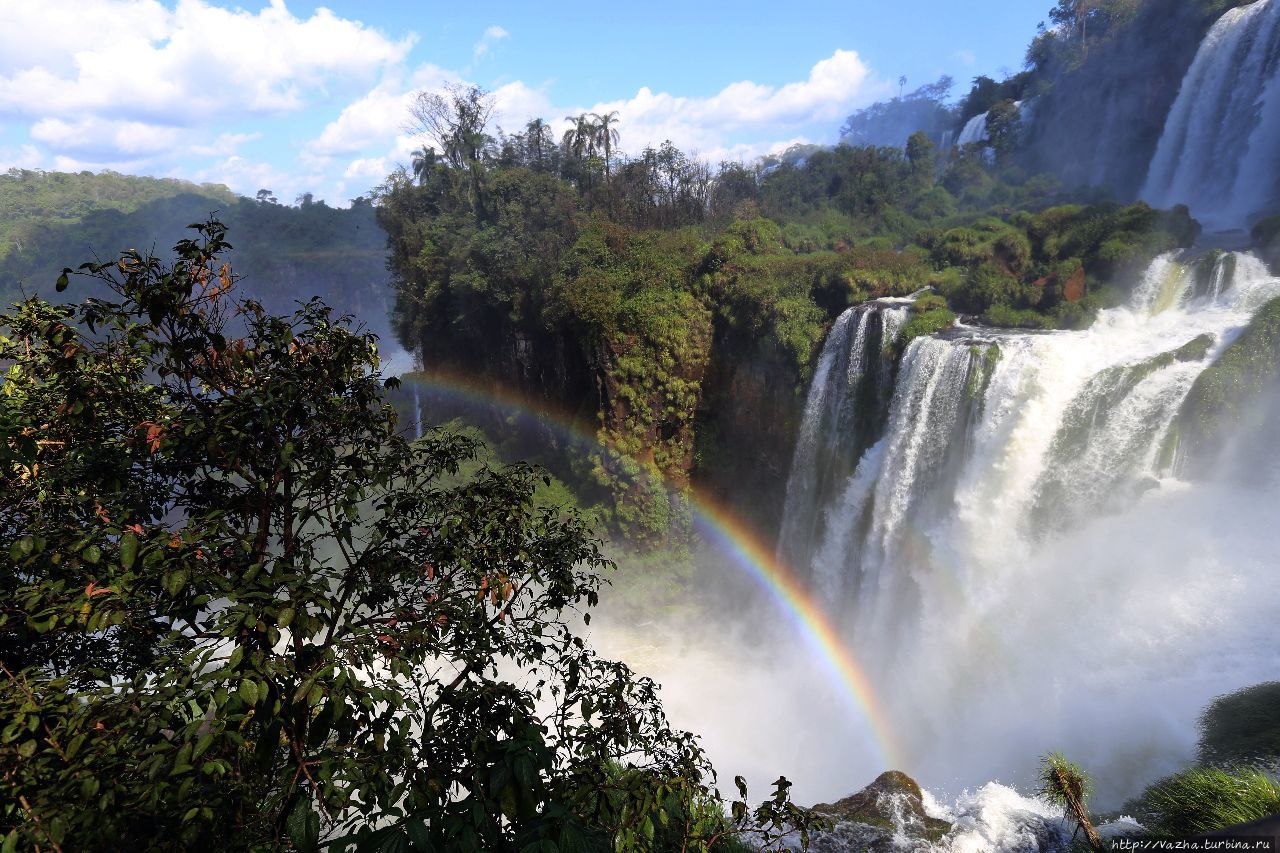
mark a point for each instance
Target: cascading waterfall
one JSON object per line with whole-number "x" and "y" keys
{"x": 1216, "y": 152}
{"x": 847, "y": 404}
{"x": 1011, "y": 553}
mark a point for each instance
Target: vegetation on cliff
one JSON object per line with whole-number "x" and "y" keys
{"x": 646, "y": 287}
{"x": 1228, "y": 396}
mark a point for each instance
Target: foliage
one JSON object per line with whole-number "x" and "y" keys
{"x": 287, "y": 253}
{"x": 1241, "y": 727}
{"x": 246, "y": 612}
{"x": 1203, "y": 800}
{"x": 923, "y": 321}
{"x": 32, "y": 201}
{"x": 1064, "y": 783}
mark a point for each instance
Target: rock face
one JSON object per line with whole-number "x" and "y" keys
{"x": 887, "y": 815}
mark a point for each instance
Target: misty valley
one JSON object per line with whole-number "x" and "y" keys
{"x": 568, "y": 490}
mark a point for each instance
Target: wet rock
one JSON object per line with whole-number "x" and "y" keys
{"x": 887, "y": 815}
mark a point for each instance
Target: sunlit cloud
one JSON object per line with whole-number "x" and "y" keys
{"x": 137, "y": 60}
{"x": 835, "y": 87}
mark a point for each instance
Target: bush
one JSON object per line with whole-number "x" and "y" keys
{"x": 1242, "y": 727}
{"x": 1014, "y": 318}
{"x": 1205, "y": 800}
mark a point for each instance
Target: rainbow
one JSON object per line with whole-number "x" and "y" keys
{"x": 732, "y": 536}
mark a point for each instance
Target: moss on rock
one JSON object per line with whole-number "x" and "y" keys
{"x": 893, "y": 804}
{"x": 1222, "y": 398}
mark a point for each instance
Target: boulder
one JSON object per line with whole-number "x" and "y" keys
{"x": 887, "y": 815}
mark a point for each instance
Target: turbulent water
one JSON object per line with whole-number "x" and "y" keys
{"x": 1216, "y": 153}
{"x": 1014, "y": 557}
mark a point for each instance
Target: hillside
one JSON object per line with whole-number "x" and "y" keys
{"x": 285, "y": 254}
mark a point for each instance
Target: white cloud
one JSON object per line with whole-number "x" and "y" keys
{"x": 491, "y": 37}
{"x": 24, "y": 157}
{"x": 138, "y": 60}
{"x": 225, "y": 145}
{"x": 745, "y": 120}
{"x": 515, "y": 104}
{"x": 247, "y": 176}
{"x": 966, "y": 58}
{"x": 836, "y": 86}
{"x": 99, "y": 138}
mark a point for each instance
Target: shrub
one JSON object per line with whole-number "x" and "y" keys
{"x": 1204, "y": 800}
{"x": 1243, "y": 726}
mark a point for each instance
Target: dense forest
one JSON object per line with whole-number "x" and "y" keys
{"x": 286, "y": 253}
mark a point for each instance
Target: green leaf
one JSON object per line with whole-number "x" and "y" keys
{"x": 248, "y": 692}
{"x": 176, "y": 581}
{"x": 92, "y": 554}
{"x": 303, "y": 825}
{"x": 128, "y": 549}
{"x": 63, "y": 281}
{"x": 285, "y": 617}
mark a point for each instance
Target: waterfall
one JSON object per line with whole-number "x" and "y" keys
{"x": 843, "y": 415}
{"x": 1217, "y": 149}
{"x": 417, "y": 413}
{"x": 975, "y": 130}
{"x": 1009, "y": 533}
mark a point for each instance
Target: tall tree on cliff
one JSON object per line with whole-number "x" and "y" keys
{"x": 457, "y": 119}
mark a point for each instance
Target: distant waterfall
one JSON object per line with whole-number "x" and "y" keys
{"x": 1011, "y": 524}
{"x": 975, "y": 130}
{"x": 1217, "y": 152}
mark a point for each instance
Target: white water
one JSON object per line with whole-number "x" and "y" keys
{"x": 850, "y": 372}
{"x": 975, "y": 130}
{"x": 1016, "y": 587}
{"x": 1219, "y": 142}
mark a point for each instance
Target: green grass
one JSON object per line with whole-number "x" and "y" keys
{"x": 1204, "y": 800}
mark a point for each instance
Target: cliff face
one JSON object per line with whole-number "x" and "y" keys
{"x": 1097, "y": 115}
{"x": 747, "y": 421}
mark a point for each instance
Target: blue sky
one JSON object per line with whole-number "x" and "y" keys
{"x": 301, "y": 96}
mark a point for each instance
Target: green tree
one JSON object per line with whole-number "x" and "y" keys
{"x": 457, "y": 119}
{"x": 422, "y": 161}
{"x": 605, "y": 136}
{"x": 1004, "y": 129}
{"x": 246, "y": 612}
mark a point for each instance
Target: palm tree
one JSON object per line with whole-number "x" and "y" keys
{"x": 423, "y": 159}
{"x": 537, "y": 140}
{"x": 605, "y": 136}
{"x": 579, "y": 140}
{"x": 1067, "y": 785}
